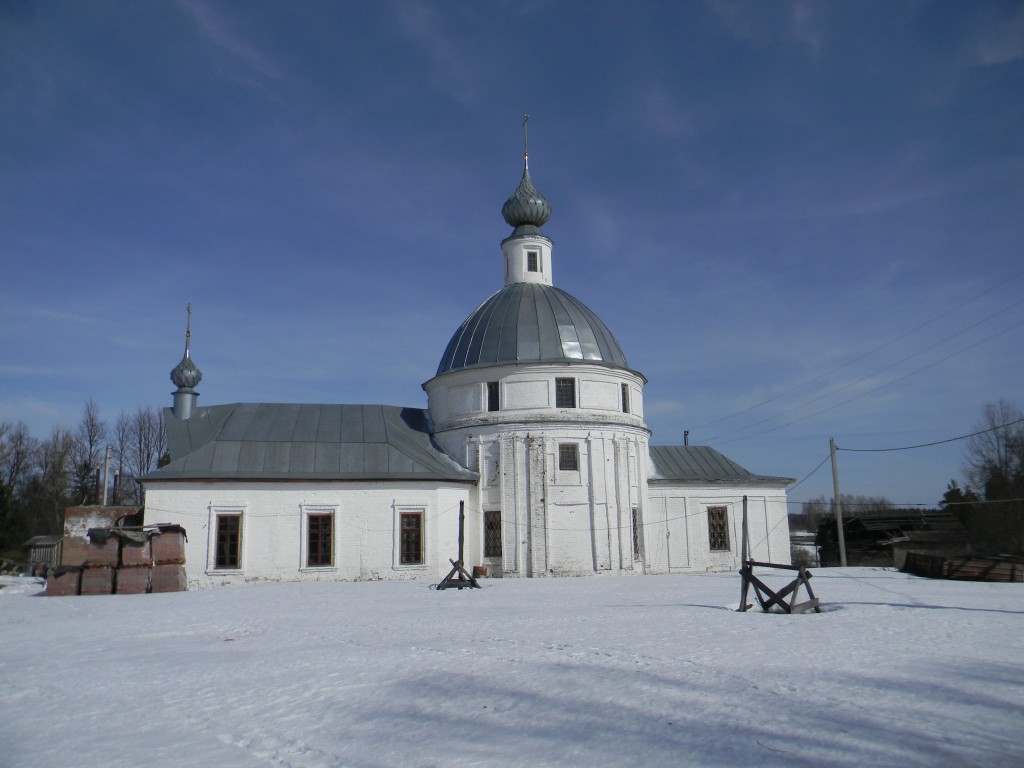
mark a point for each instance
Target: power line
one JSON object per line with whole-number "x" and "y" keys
{"x": 874, "y": 373}
{"x": 876, "y": 389}
{"x": 866, "y": 354}
{"x": 937, "y": 442}
{"x": 808, "y": 475}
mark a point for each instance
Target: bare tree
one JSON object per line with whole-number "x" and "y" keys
{"x": 49, "y": 491}
{"x": 90, "y": 441}
{"x": 994, "y": 468}
{"x": 17, "y": 451}
{"x": 140, "y": 439}
{"x": 17, "y": 456}
{"x": 995, "y": 457}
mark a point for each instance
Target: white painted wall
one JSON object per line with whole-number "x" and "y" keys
{"x": 515, "y": 250}
{"x": 527, "y": 393}
{"x": 273, "y": 528}
{"x": 676, "y": 526}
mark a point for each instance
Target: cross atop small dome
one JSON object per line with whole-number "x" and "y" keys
{"x": 526, "y": 206}
{"x": 186, "y": 375}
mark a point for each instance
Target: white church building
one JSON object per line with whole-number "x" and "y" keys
{"x": 534, "y": 426}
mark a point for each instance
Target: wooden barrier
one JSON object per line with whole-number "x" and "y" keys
{"x": 998, "y": 569}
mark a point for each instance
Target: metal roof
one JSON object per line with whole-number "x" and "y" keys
{"x": 701, "y": 464}
{"x": 531, "y": 322}
{"x": 526, "y": 205}
{"x": 283, "y": 441}
{"x": 43, "y": 541}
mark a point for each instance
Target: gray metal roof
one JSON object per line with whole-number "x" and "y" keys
{"x": 701, "y": 464}
{"x": 526, "y": 206}
{"x": 186, "y": 375}
{"x": 283, "y": 441}
{"x": 531, "y": 322}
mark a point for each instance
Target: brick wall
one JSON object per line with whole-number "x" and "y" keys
{"x": 109, "y": 560}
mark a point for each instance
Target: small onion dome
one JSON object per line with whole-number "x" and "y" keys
{"x": 185, "y": 374}
{"x": 527, "y": 205}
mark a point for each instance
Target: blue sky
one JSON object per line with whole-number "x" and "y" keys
{"x": 801, "y": 220}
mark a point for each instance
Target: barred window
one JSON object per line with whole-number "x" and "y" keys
{"x": 531, "y": 261}
{"x": 569, "y": 457}
{"x": 565, "y": 393}
{"x": 492, "y": 534}
{"x": 320, "y": 540}
{"x": 411, "y": 538}
{"x": 636, "y": 533}
{"x": 625, "y": 398}
{"x": 229, "y": 541}
{"x": 718, "y": 528}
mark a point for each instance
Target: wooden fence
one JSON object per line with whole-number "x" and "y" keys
{"x": 1005, "y": 569}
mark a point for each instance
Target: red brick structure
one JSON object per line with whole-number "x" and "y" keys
{"x": 100, "y": 553}
{"x": 133, "y": 554}
{"x": 168, "y": 578}
{"x": 169, "y": 547}
{"x": 63, "y": 582}
{"x": 132, "y": 581}
{"x": 78, "y": 521}
{"x": 109, "y": 550}
{"x": 98, "y": 580}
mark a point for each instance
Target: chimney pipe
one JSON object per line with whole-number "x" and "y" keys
{"x": 686, "y": 437}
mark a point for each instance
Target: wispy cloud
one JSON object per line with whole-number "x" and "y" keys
{"x": 38, "y": 414}
{"x": 219, "y": 33}
{"x": 452, "y": 71}
{"x": 764, "y": 23}
{"x": 660, "y": 113}
{"x": 1000, "y": 41}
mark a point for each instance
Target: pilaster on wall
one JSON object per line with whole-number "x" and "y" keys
{"x": 513, "y": 513}
{"x": 537, "y": 482}
{"x": 623, "y": 510}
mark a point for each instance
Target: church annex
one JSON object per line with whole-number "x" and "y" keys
{"x": 534, "y": 424}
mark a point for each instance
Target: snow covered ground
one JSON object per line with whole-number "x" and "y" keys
{"x": 653, "y": 671}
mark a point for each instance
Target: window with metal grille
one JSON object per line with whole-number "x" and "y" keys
{"x": 229, "y": 540}
{"x": 625, "y": 398}
{"x": 320, "y": 540}
{"x": 568, "y": 457}
{"x": 565, "y": 393}
{"x": 718, "y": 528}
{"x": 492, "y": 534}
{"x": 636, "y": 533}
{"x": 531, "y": 261}
{"x": 493, "y": 397}
{"x": 411, "y": 538}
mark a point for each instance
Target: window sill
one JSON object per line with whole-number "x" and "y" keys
{"x": 225, "y": 572}
{"x": 319, "y": 569}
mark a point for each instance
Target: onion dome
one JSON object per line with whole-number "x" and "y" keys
{"x": 527, "y": 206}
{"x": 185, "y": 374}
{"x": 531, "y": 323}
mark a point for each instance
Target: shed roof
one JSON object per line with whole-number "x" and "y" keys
{"x": 285, "y": 441}
{"x": 701, "y": 464}
{"x": 43, "y": 541}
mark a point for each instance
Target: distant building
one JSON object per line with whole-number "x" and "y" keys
{"x": 534, "y": 424}
{"x": 886, "y": 537}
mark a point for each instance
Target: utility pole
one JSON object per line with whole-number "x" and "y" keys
{"x": 838, "y": 506}
{"x": 106, "y": 469}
